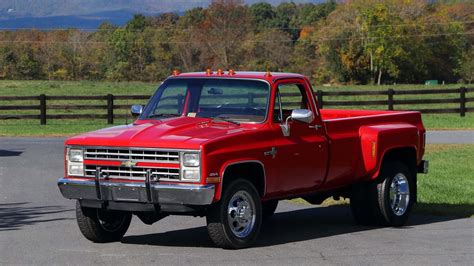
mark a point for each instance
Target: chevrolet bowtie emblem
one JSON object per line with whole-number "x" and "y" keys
{"x": 128, "y": 163}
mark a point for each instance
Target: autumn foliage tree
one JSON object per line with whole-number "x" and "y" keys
{"x": 356, "y": 41}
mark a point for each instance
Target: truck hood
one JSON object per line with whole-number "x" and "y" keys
{"x": 177, "y": 133}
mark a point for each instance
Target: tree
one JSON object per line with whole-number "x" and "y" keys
{"x": 268, "y": 50}
{"x": 225, "y": 27}
{"x": 380, "y": 43}
{"x": 263, "y": 15}
{"x": 466, "y": 67}
{"x": 186, "y": 39}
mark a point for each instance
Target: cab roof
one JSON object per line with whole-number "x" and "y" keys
{"x": 268, "y": 76}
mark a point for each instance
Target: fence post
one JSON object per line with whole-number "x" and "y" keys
{"x": 319, "y": 93}
{"x": 391, "y": 92}
{"x": 462, "y": 102}
{"x": 42, "y": 99}
{"x": 110, "y": 109}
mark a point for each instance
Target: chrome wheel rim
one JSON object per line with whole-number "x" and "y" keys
{"x": 241, "y": 214}
{"x": 110, "y": 221}
{"x": 399, "y": 194}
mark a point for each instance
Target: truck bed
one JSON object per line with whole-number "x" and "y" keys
{"x": 345, "y": 135}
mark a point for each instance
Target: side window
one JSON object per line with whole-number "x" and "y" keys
{"x": 291, "y": 96}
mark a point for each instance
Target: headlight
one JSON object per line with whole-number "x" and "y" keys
{"x": 76, "y": 155}
{"x": 191, "y": 175}
{"x": 75, "y": 169}
{"x": 191, "y": 159}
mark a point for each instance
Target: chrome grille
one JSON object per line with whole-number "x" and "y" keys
{"x": 134, "y": 173}
{"x": 143, "y": 155}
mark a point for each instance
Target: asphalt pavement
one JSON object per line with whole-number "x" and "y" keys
{"x": 37, "y": 226}
{"x": 450, "y": 136}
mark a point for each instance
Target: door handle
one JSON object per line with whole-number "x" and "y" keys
{"x": 316, "y": 127}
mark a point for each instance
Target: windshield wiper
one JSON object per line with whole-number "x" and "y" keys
{"x": 161, "y": 115}
{"x": 225, "y": 119}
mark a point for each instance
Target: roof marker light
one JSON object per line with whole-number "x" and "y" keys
{"x": 176, "y": 72}
{"x": 220, "y": 72}
{"x": 268, "y": 74}
{"x": 231, "y": 72}
{"x": 208, "y": 72}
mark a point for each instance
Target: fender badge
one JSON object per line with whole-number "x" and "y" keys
{"x": 129, "y": 163}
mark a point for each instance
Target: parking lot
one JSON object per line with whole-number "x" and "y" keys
{"x": 37, "y": 226}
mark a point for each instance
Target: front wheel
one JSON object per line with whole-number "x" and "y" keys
{"x": 102, "y": 226}
{"x": 235, "y": 221}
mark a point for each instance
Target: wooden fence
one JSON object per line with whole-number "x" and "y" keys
{"x": 45, "y": 103}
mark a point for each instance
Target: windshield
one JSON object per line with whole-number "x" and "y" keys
{"x": 232, "y": 100}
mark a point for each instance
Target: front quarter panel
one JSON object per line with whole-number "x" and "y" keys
{"x": 245, "y": 147}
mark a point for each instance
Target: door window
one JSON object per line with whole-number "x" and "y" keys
{"x": 288, "y": 98}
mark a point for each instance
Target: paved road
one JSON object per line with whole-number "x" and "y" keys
{"x": 37, "y": 226}
{"x": 450, "y": 136}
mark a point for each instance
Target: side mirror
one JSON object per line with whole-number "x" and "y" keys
{"x": 301, "y": 115}
{"x": 136, "y": 110}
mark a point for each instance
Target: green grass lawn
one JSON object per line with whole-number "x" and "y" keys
{"x": 70, "y": 127}
{"x": 448, "y": 188}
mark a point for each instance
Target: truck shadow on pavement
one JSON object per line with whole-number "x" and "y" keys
{"x": 13, "y": 216}
{"x": 9, "y": 153}
{"x": 283, "y": 228}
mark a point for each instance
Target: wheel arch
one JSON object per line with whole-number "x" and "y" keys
{"x": 251, "y": 170}
{"x": 406, "y": 155}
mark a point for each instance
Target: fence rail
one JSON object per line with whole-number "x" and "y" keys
{"x": 46, "y": 103}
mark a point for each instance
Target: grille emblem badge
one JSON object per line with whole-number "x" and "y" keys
{"x": 128, "y": 163}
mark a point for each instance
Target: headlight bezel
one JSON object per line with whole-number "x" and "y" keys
{"x": 75, "y": 158}
{"x": 190, "y": 162}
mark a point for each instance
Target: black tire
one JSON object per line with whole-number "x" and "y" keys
{"x": 101, "y": 226}
{"x": 218, "y": 221}
{"x": 268, "y": 209}
{"x": 371, "y": 203}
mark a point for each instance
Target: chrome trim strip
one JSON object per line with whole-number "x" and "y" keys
{"x": 249, "y": 161}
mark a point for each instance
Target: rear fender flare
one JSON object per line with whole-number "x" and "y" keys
{"x": 376, "y": 141}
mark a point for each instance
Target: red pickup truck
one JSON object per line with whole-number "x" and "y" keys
{"x": 229, "y": 145}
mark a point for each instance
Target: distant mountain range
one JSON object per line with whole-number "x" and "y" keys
{"x": 89, "y": 14}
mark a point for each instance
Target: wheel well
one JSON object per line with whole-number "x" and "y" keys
{"x": 251, "y": 171}
{"x": 406, "y": 155}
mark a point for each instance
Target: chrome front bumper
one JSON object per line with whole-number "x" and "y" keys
{"x": 161, "y": 194}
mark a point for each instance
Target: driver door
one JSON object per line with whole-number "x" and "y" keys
{"x": 301, "y": 158}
